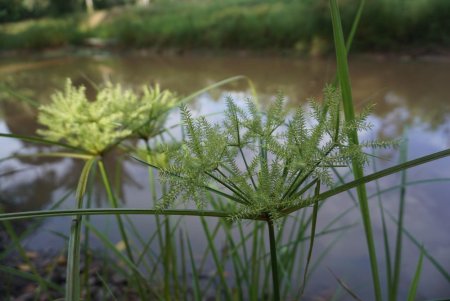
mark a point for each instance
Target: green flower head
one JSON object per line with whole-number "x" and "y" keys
{"x": 264, "y": 162}
{"x": 116, "y": 114}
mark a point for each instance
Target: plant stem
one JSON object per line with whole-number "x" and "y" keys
{"x": 73, "y": 249}
{"x": 274, "y": 261}
{"x": 398, "y": 241}
{"x": 344, "y": 81}
{"x": 123, "y": 234}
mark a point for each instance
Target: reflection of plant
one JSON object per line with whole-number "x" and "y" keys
{"x": 115, "y": 114}
{"x": 261, "y": 161}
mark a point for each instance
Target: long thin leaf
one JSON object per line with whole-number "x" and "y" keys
{"x": 345, "y": 286}
{"x": 195, "y": 278}
{"x": 387, "y": 249}
{"x": 398, "y": 240}
{"x": 313, "y": 235}
{"x": 109, "y": 211}
{"x": 29, "y": 276}
{"x": 415, "y": 282}
{"x": 39, "y": 140}
{"x": 344, "y": 81}
{"x": 215, "y": 255}
{"x": 372, "y": 177}
{"x": 433, "y": 261}
{"x": 19, "y": 96}
{"x": 218, "y": 84}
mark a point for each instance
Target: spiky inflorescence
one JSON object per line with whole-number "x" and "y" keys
{"x": 115, "y": 114}
{"x": 263, "y": 162}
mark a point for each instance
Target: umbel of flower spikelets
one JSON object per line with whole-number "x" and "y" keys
{"x": 116, "y": 114}
{"x": 263, "y": 162}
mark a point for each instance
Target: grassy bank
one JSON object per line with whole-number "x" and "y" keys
{"x": 301, "y": 26}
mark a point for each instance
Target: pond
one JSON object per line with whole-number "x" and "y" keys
{"x": 410, "y": 96}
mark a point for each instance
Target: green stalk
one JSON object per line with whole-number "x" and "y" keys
{"x": 111, "y": 211}
{"x": 344, "y": 81}
{"x": 398, "y": 247}
{"x": 355, "y": 24}
{"x": 87, "y": 254}
{"x": 415, "y": 282}
{"x": 219, "y": 265}
{"x": 274, "y": 261}
{"x": 183, "y": 267}
{"x": 113, "y": 202}
{"x": 73, "y": 249}
{"x": 313, "y": 235}
{"x": 254, "y": 265}
{"x": 166, "y": 259}
{"x": 387, "y": 252}
{"x": 433, "y": 260}
{"x": 152, "y": 185}
{"x": 195, "y": 278}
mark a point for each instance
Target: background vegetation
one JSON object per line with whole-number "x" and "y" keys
{"x": 301, "y": 26}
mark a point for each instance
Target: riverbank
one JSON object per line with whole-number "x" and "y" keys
{"x": 303, "y": 28}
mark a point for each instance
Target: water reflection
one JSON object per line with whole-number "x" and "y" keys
{"x": 407, "y": 94}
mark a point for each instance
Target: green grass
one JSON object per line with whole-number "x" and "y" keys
{"x": 298, "y": 26}
{"x": 42, "y": 34}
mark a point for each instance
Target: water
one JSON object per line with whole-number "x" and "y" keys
{"x": 411, "y": 95}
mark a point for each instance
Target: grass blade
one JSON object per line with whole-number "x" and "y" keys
{"x": 433, "y": 261}
{"x": 344, "y": 82}
{"x": 19, "y": 96}
{"x": 215, "y": 255}
{"x": 106, "y": 285}
{"x": 345, "y": 286}
{"x": 218, "y": 84}
{"x": 398, "y": 240}
{"x": 415, "y": 282}
{"x": 29, "y": 276}
{"x": 39, "y": 140}
{"x": 108, "y": 211}
{"x": 374, "y": 176}
{"x": 387, "y": 249}
{"x": 195, "y": 275}
{"x": 313, "y": 234}
{"x": 355, "y": 24}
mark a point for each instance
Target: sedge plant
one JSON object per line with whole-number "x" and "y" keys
{"x": 266, "y": 165}
{"x": 89, "y": 130}
{"x": 263, "y": 163}
{"x": 96, "y": 127}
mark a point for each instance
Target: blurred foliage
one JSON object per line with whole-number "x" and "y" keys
{"x": 15, "y": 10}
{"x": 301, "y": 25}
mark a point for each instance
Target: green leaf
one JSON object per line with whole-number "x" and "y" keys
{"x": 415, "y": 282}
{"x": 344, "y": 83}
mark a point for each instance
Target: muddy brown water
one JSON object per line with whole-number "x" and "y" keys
{"x": 411, "y": 95}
